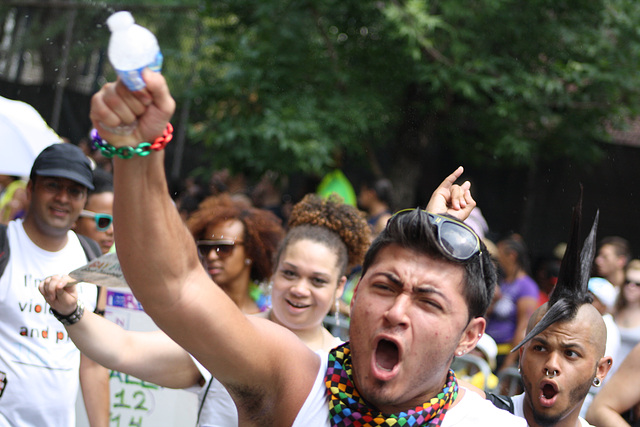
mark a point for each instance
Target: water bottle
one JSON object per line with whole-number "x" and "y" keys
{"x": 132, "y": 48}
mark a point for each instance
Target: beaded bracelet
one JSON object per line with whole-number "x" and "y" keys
{"x": 143, "y": 149}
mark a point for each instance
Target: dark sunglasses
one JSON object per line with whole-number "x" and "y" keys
{"x": 103, "y": 221}
{"x": 223, "y": 248}
{"x": 456, "y": 238}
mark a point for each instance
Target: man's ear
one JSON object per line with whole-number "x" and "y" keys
{"x": 30, "y": 186}
{"x": 471, "y": 335}
{"x": 604, "y": 365}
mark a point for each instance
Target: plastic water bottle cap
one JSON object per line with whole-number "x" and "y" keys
{"x": 120, "y": 21}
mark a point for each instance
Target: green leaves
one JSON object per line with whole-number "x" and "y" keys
{"x": 294, "y": 86}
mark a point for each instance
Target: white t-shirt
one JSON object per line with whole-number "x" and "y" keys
{"x": 518, "y": 402}
{"x": 38, "y": 362}
{"x": 471, "y": 410}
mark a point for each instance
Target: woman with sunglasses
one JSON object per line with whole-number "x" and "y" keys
{"x": 324, "y": 238}
{"x": 96, "y": 219}
{"x": 626, "y": 312}
{"x": 236, "y": 244}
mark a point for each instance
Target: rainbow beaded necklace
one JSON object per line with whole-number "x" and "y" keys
{"x": 347, "y": 408}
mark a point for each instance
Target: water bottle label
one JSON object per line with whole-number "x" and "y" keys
{"x": 133, "y": 78}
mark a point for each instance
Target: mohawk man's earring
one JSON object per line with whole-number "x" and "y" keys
{"x": 596, "y": 382}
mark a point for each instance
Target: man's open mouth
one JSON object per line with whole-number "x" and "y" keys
{"x": 548, "y": 393}
{"x": 387, "y": 355}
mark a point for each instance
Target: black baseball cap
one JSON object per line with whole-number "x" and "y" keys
{"x": 64, "y": 160}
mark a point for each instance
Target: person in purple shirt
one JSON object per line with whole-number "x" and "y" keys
{"x": 517, "y": 299}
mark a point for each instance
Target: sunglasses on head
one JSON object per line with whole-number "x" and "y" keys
{"x": 103, "y": 221}
{"x": 223, "y": 248}
{"x": 456, "y": 238}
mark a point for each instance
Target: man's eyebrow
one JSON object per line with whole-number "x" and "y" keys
{"x": 563, "y": 344}
{"x": 540, "y": 340}
{"x": 426, "y": 289}
{"x": 572, "y": 345}
{"x": 392, "y": 278}
{"x": 432, "y": 290}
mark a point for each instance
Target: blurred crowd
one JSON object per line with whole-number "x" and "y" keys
{"x": 253, "y": 240}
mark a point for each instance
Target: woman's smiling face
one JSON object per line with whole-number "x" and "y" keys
{"x": 305, "y": 285}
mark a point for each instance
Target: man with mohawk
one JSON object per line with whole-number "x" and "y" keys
{"x": 562, "y": 354}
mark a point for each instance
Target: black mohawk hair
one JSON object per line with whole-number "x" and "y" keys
{"x": 571, "y": 291}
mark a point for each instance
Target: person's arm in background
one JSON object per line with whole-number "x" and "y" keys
{"x": 150, "y": 356}
{"x": 95, "y": 378}
{"x": 525, "y": 306}
{"x": 619, "y": 394}
{"x": 94, "y": 381}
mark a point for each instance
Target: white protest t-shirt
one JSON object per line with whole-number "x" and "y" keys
{"x": 38, "y": 362}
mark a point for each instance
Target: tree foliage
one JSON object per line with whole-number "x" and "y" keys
{"x": 300, "y": 86}
{"x": 292, "y": 86}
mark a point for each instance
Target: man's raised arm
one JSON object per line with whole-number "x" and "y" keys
{"x": 160, "y": 263}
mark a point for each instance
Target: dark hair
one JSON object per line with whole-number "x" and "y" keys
{"x": 102, "y": 182}
{"x": 384, "y": 191}
{"x": 413, "y": 230}
{"x": 572, "y": 290}
{"x": 620, "y": 245}
{"x": 515, "y": 243}
{"x": 262, "y": 229}
{"x": 331, "y": 222}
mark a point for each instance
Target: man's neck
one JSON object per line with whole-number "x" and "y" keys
{"x": 570, "y": 420}
{"x": 617, "y": 279}
{"x": 416, "y": 401}
{"x": 48, "y": 242}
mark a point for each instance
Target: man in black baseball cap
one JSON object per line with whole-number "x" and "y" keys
{"x": 64, "y": 161}
{"x": 39, "y": 365}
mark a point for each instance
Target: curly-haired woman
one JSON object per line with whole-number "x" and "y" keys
{"x": 325, "y": 239}
{"x": 237, "y": 244}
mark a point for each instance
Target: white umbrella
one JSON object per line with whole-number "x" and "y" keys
{"x": 23, "y": 135}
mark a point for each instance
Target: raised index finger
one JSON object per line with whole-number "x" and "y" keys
{"x": 451, "y": 179}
